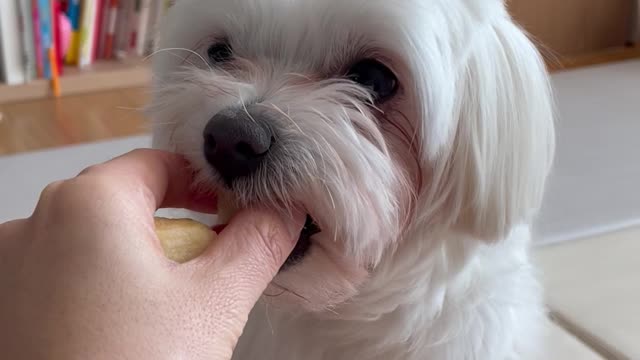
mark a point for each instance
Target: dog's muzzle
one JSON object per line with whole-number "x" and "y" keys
{"x": 236, "y": 144}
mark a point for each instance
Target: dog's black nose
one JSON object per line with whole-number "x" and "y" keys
{"x": 235, "y": 143}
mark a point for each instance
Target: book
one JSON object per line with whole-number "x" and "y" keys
{"x": 57, "y": 35}
{"x": 28, "y": 46}
{"x": 104, "y": 28}
{"x": 12, "y": 61}
{"x": 143, "y": 27}
{"x": 112, "y": 23}
{"x": 37, "y": 38}
{"x": 98, "y": 28}
{"x": 87, "y": 32}
{"x": 73, "y": 12}
{"x": 158, "y": 10}
{"x": 126, "y": 10}
{"x": 132, "y": 26}
{"x": 149, "y": 41}
{"x": 46, "y": 35}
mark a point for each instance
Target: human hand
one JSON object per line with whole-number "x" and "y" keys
{"x": 85, "y": 278}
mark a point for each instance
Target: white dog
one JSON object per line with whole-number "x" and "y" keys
{"x": 416, "y": 134}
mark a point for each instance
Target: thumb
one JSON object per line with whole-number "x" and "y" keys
{"x": 231, "y": 275}
{"x": 253, "y": 246}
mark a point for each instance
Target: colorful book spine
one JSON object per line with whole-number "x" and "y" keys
{"x": 46, "y": 33}
{"x": 37, "y": 39}
{"x": 123, "y": 35}
{"x": 110, "y": 37}
{"x": 134, "y": 20}
{"x": 57, "y": 35}
{"x": 87, "y": 29}
{"x": 97, "y": 33}
{"x": 149, "y": 43}
{"x": 143, "y": 27}
{"x": 26, "y": 29}
{"x": 159, "y": 8}
{"x": 11, "y": 54}
{"x": 73, "y": 12}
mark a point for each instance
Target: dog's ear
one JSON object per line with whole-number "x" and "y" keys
{"x": 497, "y": 164}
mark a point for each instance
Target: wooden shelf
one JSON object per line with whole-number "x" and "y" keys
{"x": 102, "y": 76}
{"x": 615, "y": 54}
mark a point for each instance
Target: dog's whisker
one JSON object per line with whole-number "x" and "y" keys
{"x": 288, "y": 117}
{"x": 268, "y": 318}
{"x": 244, "y": 107}
{"x": 305, "y": 77}
{"x": 336, "y": 225}
{"x": 287, "y": 290}
{"x": 320, "y": 153}
{"x": 171, "y": 51}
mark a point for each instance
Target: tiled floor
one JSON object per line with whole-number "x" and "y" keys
{"x": 593, "y": 287}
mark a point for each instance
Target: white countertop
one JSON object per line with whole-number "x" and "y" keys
{"x": 23, "y": 176}
{"x": 595, "y": 186}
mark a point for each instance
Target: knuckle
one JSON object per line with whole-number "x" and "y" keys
{"x": 51, "y": 189}
{"x": 91, "y": 170}
{"x": 11, "y": 228}
{"x": 70, "y": 196}
{"x": 50, "y": 193}
{"x": 144, "y": 153}
{"x": 141, "y": 151}
{"x": 50, "y": 201}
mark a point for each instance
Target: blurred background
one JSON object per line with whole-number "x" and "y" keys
{"x": 73, "y": 79}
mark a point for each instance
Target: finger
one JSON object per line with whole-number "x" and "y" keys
{"x": 255, "y": 244}
{"x": 167, "y": 177}
{"x": 10, "y": 229}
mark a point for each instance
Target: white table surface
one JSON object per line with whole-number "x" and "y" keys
{"x": 23, "y": 176}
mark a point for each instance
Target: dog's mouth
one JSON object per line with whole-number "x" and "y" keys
{"x": 302, "y": 246}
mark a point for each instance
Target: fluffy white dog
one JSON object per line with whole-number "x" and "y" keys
{"x": 416, "y": 134}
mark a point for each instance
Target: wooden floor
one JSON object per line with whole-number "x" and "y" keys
{"x": 43, "y": 124}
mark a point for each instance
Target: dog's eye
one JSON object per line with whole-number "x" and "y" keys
{"x": 220, "y": 52}
{"x": 375, "y": 76}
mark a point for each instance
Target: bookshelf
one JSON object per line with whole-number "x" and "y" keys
{"x": 101, "y": 76}
{"x": 99, "y": 44}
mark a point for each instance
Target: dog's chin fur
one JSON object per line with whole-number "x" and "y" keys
{"x": 424, "y": 200}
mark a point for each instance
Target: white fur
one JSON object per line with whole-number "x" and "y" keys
{"x": 424, "y": 201}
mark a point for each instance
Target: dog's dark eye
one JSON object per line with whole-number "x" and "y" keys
{"x": 220, "y": 52}
{"x": 376, "y": 76}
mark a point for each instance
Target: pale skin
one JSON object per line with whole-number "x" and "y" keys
{"x": 85, "y": 278}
